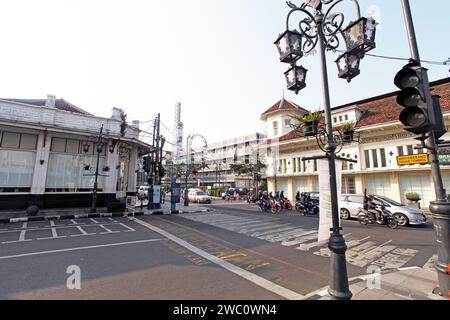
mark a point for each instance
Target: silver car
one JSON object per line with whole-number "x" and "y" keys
{"x": 351, "y": 203}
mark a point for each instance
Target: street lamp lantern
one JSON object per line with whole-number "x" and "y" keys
{"x": 296, "y": 78}
{"x": 348, "y": 66}
{"x": 360, "y": 36}
{"x": 289, "y": 46}
{"x": 86, "y": 147}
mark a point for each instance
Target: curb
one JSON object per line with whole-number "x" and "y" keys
{"x": 92, "y": 215}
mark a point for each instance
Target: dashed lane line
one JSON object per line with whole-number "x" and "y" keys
{"x": 264, "y": 283}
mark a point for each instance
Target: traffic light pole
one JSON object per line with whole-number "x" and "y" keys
{"x": 158, "y": 159}
{"x": 440, "y": 208}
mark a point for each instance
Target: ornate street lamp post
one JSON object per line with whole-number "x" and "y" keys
{"x": 320, "y": 28}
{"x": 99, "y": 144}
{"x": 188, "y": 163}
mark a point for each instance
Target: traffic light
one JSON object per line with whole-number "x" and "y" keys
{"x": 147, "y": 164}
{"x": 412, "y": 98}
{"x": 162, "y": 172}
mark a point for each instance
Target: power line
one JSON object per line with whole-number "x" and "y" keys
{"x": 444, "y": 63}
{"x": 168, "y": 129}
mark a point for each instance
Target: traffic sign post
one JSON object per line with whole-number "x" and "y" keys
{"x": 444, "y": 156}
{"x": 175, "y": 195}
{"x": 421, "y": 158}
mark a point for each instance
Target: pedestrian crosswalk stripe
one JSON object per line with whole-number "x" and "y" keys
{"x": 272, "y": 231}
{"x": 300, "y": 238}
{"x": 257, "y": 227}
{"x": 360, "y": 252}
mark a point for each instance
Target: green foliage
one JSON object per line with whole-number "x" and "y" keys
{"x": 175, "y": 170}
{"x": 123, "y": 125}
{"x": 413, "y": 196}
{"x": 315, "y": 116}
{"x": 349, "y": 126}
{"x": 246, "y": 168}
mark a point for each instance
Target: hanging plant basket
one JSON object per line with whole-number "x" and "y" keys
{"x": 310, "y": 128}
{"x": 347, "y": 136}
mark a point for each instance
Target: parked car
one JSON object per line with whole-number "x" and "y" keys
{"x": 314, "y": 195}
{"x": 350, "y": 203}
{"x": 143, "y": 190}
{"x": 198, "y": 196}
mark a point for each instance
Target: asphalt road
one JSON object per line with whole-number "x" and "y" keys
{"x": 234, "y": 252}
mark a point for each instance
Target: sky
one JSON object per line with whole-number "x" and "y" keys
{"x": 216, "y": 57}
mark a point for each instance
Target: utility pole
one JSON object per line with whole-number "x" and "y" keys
{"x": 440, "y": 208}
{"x": 151, "y": 177}
{"x": 157, "y": 160}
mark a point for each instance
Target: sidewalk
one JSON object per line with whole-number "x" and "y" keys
{"x": 412, "y": 283}
{"x": 10, "y": 216}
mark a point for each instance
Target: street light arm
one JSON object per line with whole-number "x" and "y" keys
{"x": 331, "y": 24}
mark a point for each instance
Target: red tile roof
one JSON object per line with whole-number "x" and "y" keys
{"x": 283, "y": 104}
{"x": 383, "y": 109}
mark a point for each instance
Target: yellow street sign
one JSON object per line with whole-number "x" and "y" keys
{"x": 413, "y": 159}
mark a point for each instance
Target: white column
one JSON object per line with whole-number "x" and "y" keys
{"x": 132, "y": 167}
{"x": 41, "y": 163}
{"x": 112, "y": 161}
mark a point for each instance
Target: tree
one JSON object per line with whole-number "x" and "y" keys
{"x": 176, "y": 170}
{"x": 123, "y": 125}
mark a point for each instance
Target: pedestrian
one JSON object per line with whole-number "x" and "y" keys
{"x": 163, "y": 196}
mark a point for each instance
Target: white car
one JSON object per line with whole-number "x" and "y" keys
{"x": 143, "y": 191}
{"x": 199, "y": 196}
{"x": 351, "y": 203}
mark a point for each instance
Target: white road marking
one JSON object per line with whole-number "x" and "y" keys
{"x": 396, "y": 259}
{"x": 83, "y": 233}
{"x": 286, "y": 235}
{"x": 107, "y": 230}
{"x": 244, "y": 224}
{"x": 429, "y": 265}
{"x": 22, "y": 233}
{"x": 258, "y": 227}
{"x": 264, "y": 283}
{"x": 78, "y": 248}
{"x": 127, "y": 227}
{"x": 300, "y": 238}
{"x": 73, "y": 221}
{"x": 54, "y": 233}
{"x": 93, "y": 220}
{"x": 272, "y": 231}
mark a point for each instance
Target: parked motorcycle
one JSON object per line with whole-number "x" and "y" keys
{"x": 263, "y": 205}
{"x": 275, "y": 206}
{"x": 285, "y": 204}
{"x": 308, "y": 208}
{"x": 366, "y": 217}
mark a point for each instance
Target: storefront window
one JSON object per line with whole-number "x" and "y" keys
{"x": 67, "y": 173}
{"x": 16, "y": 170}
{"x": 348, "y": 185}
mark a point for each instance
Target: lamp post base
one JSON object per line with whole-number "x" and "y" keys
{"x": 339, "y": 288}
{"x": 441, "y": 218}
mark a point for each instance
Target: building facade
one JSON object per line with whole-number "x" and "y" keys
{"x": 379, "y": 139}
{"x": 48, "y": 156}
{"x": 218, "y": 156}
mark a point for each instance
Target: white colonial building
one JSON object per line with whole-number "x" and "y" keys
{"x": 47, "y": 156}
{"x": 380, "y": 138}
{"x": 218, "y": 157}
